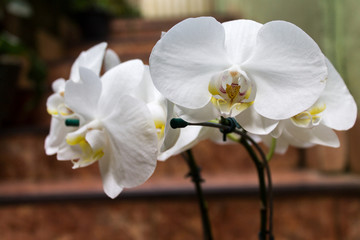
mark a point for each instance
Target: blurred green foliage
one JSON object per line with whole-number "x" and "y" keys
{"x": 12, "y": 46}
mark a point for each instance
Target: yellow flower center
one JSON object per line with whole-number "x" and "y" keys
{"x": 231, "y": 92}
{"x": 160, "y": 128}
{"x": 88, "y": 154}
{"x": 310, "y": 117}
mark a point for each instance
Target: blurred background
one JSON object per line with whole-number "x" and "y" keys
{"x": 316, "y": 190}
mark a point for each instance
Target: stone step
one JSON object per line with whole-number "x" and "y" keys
{"x": 23, "y": 159}
{"x": 307, "y": 205}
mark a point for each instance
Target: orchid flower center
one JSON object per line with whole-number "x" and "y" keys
{"x": 231, "y": 91}
{"x": 57, "y": 107}
{"x": 159, "y": 117}
{"x": 90, "y": 140}
{"x": 311, "y": 117}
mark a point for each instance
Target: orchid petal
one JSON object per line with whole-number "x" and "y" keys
{"x": 281, "y": 143}
{"x": 187, "y": 139}
{"x": 320, "y": 134}
{"x": 240, "y": 38}
{"x": 58, "y": 85}
{"x": 278, "y": 130}
{"x": 92, "y": 59}
{"x": 82, "y": 97}
{"x": 341, "y": 109}
{"x": 170, "y": 134}
{"x": 67, "y": 152}
{"x": 288, "y": 68}
{"x": 53, "y": 102}
{"x": 146, "y": 89}
{"x": 254, "y": 123}
{"x": 111, "y": 60}
{"x": 56, "y": 136}
{"x": 133, "y": 142}
{"x": 207, "y": 113}
{"x": 109, "y": 181}
{"x": 197, "y": 46}
{"x": 119, "y": 81}
{"x": 96, "y": 138}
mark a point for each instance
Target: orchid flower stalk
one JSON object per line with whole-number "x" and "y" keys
{"x": 228, "y": 126}
{"x": 252, "y": 81}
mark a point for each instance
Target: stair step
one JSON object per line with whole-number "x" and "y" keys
{"x": 23, "y": 158}
{"x": 289, "y": 183}
{"x": 168, "y": 209}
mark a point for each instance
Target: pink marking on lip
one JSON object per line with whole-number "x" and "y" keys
{"x": 222, "y": 89}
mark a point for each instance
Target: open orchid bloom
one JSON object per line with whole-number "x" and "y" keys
{"x": 56, "y": 106}
{"x": 266, "y": 72}
{"x": 170, "y": 141}
{"x": 116, "y": 129}
{"x": 335, "y": 109}
{"x": 160, "y": 109}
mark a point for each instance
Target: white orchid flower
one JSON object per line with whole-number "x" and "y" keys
{"x": 158, "y": 106}
{"x": 335, "y": 109}
{"x": 271, "y": 71}
{"x": 56, "y": 107}
{"x": 170, "y": 141}
{"x": 116, "y": 129}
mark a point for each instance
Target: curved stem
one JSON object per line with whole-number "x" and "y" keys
{"x": 269, "y": 180}
{"x": 196, "y": 179}
{"x": 262, "y": 165}
{"x": 263, "y": 196}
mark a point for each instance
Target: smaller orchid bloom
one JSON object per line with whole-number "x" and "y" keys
{"x": 266, "y": 72}
{"x": 56, "y": 106}
{"x": 170, "y": 141}
{"x": 159, "y": 107}
{"x": 335, "y": 109}
{"x": 116, "y": 129}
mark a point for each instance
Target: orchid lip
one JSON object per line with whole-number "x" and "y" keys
{"x": 89, "y": 153}
{"x": 310, "y": 117}
{"x": 231, "y": 91}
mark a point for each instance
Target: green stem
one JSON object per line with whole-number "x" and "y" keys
{"x": 271, "y": 149}
{"x": 196, "y": 179}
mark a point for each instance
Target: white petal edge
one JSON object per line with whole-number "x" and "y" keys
{"x": 188, "y": 138}
{"x": 185, "y": 58}
{"x": 82, "y": 97}
{"x": 92, "y": 59}
{"x": 58, "y": 85}
{"x": 240, "y": 38}
{"x": 320, "y": 134}
{"x": 111, "y": 59}
{"x": 111, "y": 187}
{"x": 133, "y": 141}
{"x": 118, "y": 81}
{"x": 341, "y": 109}
{"x": 288, "y": 69}
{"x": 254, "y": 123}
